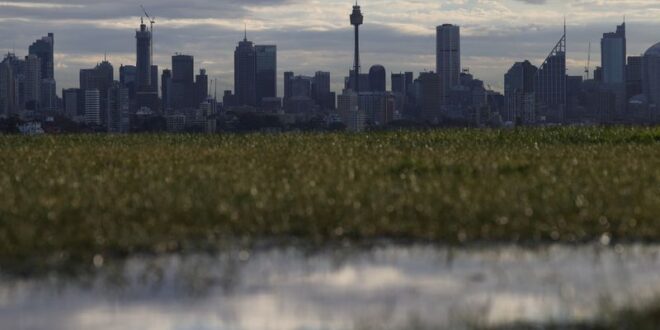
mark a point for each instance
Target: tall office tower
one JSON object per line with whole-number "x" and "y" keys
{"x": 321, "y": 90}
{"x": 8, "y": 94}
{"x": 356, "y": 20}
{"x": 634, "y": 76}
{"x": 550, "y": 84}
{"x": 245, "y": 69}
{"x": 117, "y": 108}
{"x": 32, "y": 83}
{"x": 429, "y": 98}
{"x": 144, "y": 58}
{"x": 651, "y": 75}
{"x": 71, "y": 105}
{"x": 288, "y": 77}
{"x": 518, "y": 86}
{"x": 348, "y": 108}
{"x": 448, "y": 58}
{"x": 266, "y": 71}
{"x": 377, "y": 78}
{"x": 99, "y": 78}
{"x": 92, "y": 107}
{"x": 154, "y": 78}
{"x": 166, "y": 91}
{"x": 201, "y": 87}
{"x": 44, "y": 49}
{"x": 183, "y": 82}
{"x": 128, "y": 78}
{"x": 398, "y": 83}
{"x": 613, "y": 56}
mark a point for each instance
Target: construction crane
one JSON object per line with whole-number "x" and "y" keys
{"x": 587, "y": 68}
{"x": 151, "y": 20}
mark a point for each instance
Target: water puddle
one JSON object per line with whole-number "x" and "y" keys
{"x": 388, "y": 287}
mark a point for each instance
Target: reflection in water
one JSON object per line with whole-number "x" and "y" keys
{"x": 390, "y": 287}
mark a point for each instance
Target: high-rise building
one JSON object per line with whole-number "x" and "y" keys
{"x": 245, "y": 69}
{"x": 321, "y": 90}
{"x": 32, "y": 84}
{"x": 128, "y": 78}
{"x": 288, "y": 77}
{"x": 92, "y": 107}
{"x": 72, "y": 106}
{"x": 429, "y": 99}
{"x": 357, "y": 19}
{"x": 613, "y": 56}
{"x": 166, "y": 91}
{"x": 266, "y": 70}
{"x": 44, "y": 49}
{"x": 550, "y": 84}
{"x": 8, "y": 94}
{"x": 377, "y": 78}
{"x": 99, "y": 78}
{"x": 183, "y": 82}
{"x": 117, "y": 108}
{"x": 448, "y": 58}
{"x": 651, "y": 76}
{"x": 144, "y": 58}
{"x": 634, "y": 76}
{"x": 518, "y": 85}
{"x": 201, "y": 87}
{"x": 398, "y": 82}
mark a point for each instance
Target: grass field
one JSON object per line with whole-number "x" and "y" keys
{"x": 65, "y": 199}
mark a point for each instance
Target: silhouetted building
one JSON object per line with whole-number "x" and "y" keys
{"x": 183, "y": 94}
{"x": 428, "y": 98}
{"x": 266, "y": 71}
{"x": 117, "y": 109}
{"x": 44, "y": 49}
{"x": 634, "y": 76}
{"x": 613, "y": 56}
{"x": 377, "y": 78}
{"x": 448, "y": 57}
{"x": 8, "y": 93}
{"x": 128, "y": 78}
{"x": 72, "y": 103}
{"x": 518, "y": 86}
{"x": 144, "y": 58}
{"x": 99, "y": 78}
{"x": 321, "y": 90}
{"x": 201, "y": 87}
{"x": 245, "y": 69}
{"x": 92, "y": 107}
{"x": 166, "y": 91}
{"x": 550, "y": 84}
{"x": 651, "y": 76}
{"x": 288, "y": 77}
{"x": 32, "y": 83}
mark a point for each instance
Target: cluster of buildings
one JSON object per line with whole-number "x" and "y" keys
{"x": 622, "y": 90}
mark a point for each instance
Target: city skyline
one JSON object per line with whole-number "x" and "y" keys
{"x": 324, "y": 44}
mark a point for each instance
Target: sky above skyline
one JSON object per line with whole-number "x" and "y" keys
{"x": 314, "y": 35}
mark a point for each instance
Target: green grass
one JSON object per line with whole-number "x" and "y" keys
{"x": 64, "y": 199}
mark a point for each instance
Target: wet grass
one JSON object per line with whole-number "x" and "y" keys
{"x": 66, "y": 199}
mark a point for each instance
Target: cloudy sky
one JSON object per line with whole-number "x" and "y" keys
{"x": 315, "y": 35}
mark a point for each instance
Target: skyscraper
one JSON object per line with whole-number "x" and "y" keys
{"x": 92, "y": 107}
{"x": 613, "y": 56}
{"x": 7, "y": 89}
{"x": 429, "y": 98}
{"x": 32, "y": 84}
{"x": 245, "y": 69}
{"x": 117, "y": 108}
{"x": 128, "y": 78}
{"x": 377, "y": 78}
{"x": 356, "y": 20}
{"x": 183, "y": 82}
{"x": 166, "y": 90}
{"x": 518, "y": 91}
{"x": 398, "y": 82}
{"x": 201, "y": 87}
{"x": 550, "y": 84}
{"x": 448, "y": 58}
{"x": 266, "y": 56}
{"x": 44, "y": 49}
{"x": 321, "y": 90}
{"x": 144, "y": 58}
{"x": 651, "y": 75}
{"x": 99, "y": 78}
{"x": 288, "y": 92}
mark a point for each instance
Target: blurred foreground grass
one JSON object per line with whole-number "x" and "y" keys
{"x": 65, "y": 199}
